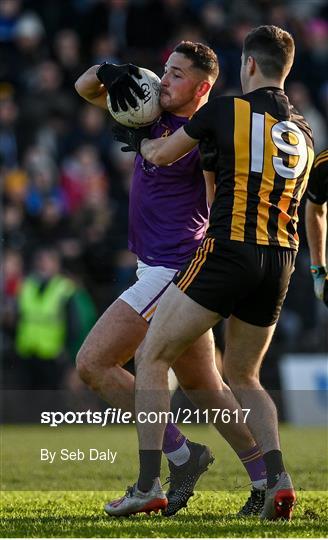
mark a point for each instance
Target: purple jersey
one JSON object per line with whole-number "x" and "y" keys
{"x": 168, "y": 210}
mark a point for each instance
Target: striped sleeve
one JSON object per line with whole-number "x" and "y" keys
{"x": 205, "y": 121}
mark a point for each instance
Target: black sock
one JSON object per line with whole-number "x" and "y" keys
{"x": 150, "y": 468}
{"x": 274, "y": 466}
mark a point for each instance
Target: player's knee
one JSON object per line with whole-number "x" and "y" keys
{"x": 145, "y": 356}
{"x": 83, "y": 367}
{"x": 141, "y": 357}
{"x": 241, "y": 375}
{"x": 208, "y": 382}
{"x": 89, "y": 367}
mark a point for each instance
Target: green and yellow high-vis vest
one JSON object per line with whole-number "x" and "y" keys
{"x": 41, "y": 330}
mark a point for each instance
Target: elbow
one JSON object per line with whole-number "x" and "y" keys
{"x": 77, "y": 86}
{"x": 82, "y": 87}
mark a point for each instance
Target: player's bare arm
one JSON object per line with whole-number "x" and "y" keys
{"x": 316, "y": 224}
{"x": 89, "y": 87}
{"x": 316, "y": 230}
{"x": 208, "y": 151}
{"x": 165, "y": 151}
{"x": 210, "y": 186}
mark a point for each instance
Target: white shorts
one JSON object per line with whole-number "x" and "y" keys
{"x": 145, "y": 294}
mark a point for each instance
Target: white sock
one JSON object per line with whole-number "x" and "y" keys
{"x": 179, "y": 456}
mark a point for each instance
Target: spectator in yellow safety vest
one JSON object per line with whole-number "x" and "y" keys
{"x": 48, "y": 323}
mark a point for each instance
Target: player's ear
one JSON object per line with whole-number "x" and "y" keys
{"x": 203, "y": 88}
{"x": 251, "y": 65}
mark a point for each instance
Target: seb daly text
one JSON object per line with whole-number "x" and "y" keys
{"x": 92, "y": 454}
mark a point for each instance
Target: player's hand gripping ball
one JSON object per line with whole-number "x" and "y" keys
{"x": 133, "y": 94}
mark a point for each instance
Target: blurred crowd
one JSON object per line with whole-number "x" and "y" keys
{"x": 65, "y": 182}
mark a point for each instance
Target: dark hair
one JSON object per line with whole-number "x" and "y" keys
{"x": 273, "y": 49}
{"x": 202, "y": 57}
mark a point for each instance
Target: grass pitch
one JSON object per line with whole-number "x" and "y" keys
{"x": 66, "y": 499}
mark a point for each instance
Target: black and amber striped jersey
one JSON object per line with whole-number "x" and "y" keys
{"x": 265, "y": 153}
{"x": 318, "y": 182}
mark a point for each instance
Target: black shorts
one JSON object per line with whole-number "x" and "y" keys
{"x": 229, "y": 277}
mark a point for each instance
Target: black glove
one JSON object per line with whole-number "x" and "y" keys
{"x": 119, "y": 82}
{"x": 131, "y": 136}
{"x": 320, "y": 281}
{"x": 208, "y": 154}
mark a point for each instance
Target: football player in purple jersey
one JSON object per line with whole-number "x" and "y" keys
{"x": 168, "y": 215}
